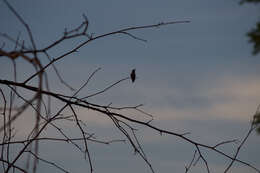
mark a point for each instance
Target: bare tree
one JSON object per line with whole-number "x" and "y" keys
{"x": 14, "y": 104}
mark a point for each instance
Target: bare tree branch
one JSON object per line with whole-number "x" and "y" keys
{"x": 44, "y": 118}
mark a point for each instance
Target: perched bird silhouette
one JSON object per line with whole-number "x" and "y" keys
{"x": 133, "y": 76}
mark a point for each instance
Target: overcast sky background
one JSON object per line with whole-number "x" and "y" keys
{"x": 198, "y": 77}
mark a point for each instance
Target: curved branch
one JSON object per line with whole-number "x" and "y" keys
{"x": 104, "y": 111}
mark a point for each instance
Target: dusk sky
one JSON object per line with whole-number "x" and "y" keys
{"x": 198, "y": 77}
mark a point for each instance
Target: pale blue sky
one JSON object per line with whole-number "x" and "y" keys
{"x": 198, "y": 77}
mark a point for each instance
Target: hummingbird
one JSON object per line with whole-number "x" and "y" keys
{"x": 132, "y": 75}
